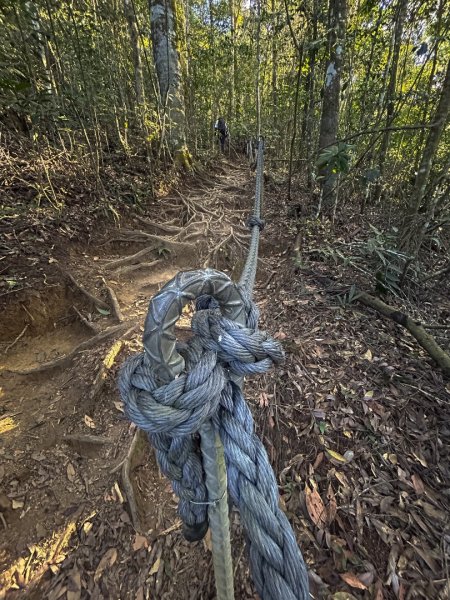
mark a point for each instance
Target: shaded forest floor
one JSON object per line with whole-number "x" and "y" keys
{"x": 356, "y": 422}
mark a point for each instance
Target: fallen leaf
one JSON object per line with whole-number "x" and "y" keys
{"x": 332, "y": 505}
{"x": 263, "y": 399}
{"x": 349, "y": 455}
{"x": 107, "y": 560}
{"x": 155, "y": 566}
{"x": 367, "y": 578}
{"x": 17, "y": 504}
{"x": 318, "y": 461}
{"x": 89, "y": 422}
{"x": 207, "y": 541}
{"x": 352, "y": 580}
{"x": 280, "y": 335}
{"x": 368, "y": 355}
{"x": 418, "y": 484}
{"x": 336, "y": 456}
{"x": 119, "y": 406}
{"x": 316, "y": 507}
{"x": 140, "y": 541}
{"x": 70, "y": 472}
{"x": 87, "y": 526}
{"x": 379, "y": 591}
{"x": 118, "y": 493}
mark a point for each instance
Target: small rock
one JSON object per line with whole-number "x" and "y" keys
{"x": 41, "y": 532}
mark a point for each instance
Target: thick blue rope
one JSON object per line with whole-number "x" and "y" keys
{"x": 171, "y": 413}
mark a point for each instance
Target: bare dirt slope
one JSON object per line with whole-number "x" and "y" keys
{"x": 64, "y": 438}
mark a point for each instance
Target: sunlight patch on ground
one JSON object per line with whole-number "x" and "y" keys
{"x": 48, "y": 554}
{"x": 7, "y": 424}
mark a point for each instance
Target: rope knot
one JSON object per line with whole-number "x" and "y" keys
{"x": 255, "y": 221}
{"x": 179, "y": 407}
{"x": 242, "y": 350}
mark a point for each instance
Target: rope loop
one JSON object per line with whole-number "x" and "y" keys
{"x": 225, "y": 346}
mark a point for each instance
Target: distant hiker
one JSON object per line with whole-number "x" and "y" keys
{"x": 222, "y": 130}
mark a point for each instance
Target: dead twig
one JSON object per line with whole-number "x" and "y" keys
{"x": 139, "y": 438}
{"x": 142, "y": 265}
{"x": 84, "y": 291}
{"x": 115, "y": 264}
{"x": 85, "y": 321}
{"x": 106, "y": 365}
{"x": 13, "y": 343}
{"x": 115, "y": 306}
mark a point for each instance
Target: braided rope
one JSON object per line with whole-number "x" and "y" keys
{"x": 172, "y": 412}
{"x": 208, "y": 373}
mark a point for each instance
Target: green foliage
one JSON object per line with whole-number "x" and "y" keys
{"x": 346, "y": 299}
{"x": 337, "y": 157}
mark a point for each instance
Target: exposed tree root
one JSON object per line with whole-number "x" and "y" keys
{"x": 171, "y": 229}
{"x": 139, "y": 440}
{"x": 141, "y": 265}
{"x": 65, "y": 360}
{"x": 84, "y": 291}
{"x": 427, "y": 341}
{"x": 115, "y": 306}
{"x": 85, "y": 321}
{"x": 13, "y": 343}
{"x": 131, "y": 235}
{"x": 114, "y": 264}
{"x": 213, "y": 254}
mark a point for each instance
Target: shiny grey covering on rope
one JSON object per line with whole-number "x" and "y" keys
{"x": 172, "y": 388}
{"x": 247, "y": 279}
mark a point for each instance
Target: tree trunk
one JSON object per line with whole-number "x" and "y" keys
{"x": 330, "y": 108}
{"x": 308, "y": 120}
{"x": 258, "y": 69}
{"x": 167, "y": 32}
{"x": 274, "y": 111}
{"x": 390, "y": 94}
{"x": 234, "y": 68}
{"x": 414, "y": 229}
{"x": 137, "y": 61}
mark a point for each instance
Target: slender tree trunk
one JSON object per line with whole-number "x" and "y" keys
{"x": 137, "y": 61}
{"x": 233, "y": 75}
{"x": 308, "y": 128}
{"x": 426, "y": 107}
{"x": 212, "y": 45}
{"x": 294, "y": 128}
{"x": 415, "y": 227}
{"x": 167, "y": 31}
{"x": 390, "y": 93}
{"x": 274, "y": 111}
{"x": 258, "y": 69}
{"x": 330, "y": 108}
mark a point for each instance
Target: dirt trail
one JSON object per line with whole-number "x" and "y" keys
{"x": 355, "y": 422}
{"x": 63, "y": 435}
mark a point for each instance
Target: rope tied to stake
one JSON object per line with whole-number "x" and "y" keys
{"x": 172, "y": 412}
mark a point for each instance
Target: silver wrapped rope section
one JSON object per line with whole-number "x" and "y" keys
{"x": 165, "y": 310}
